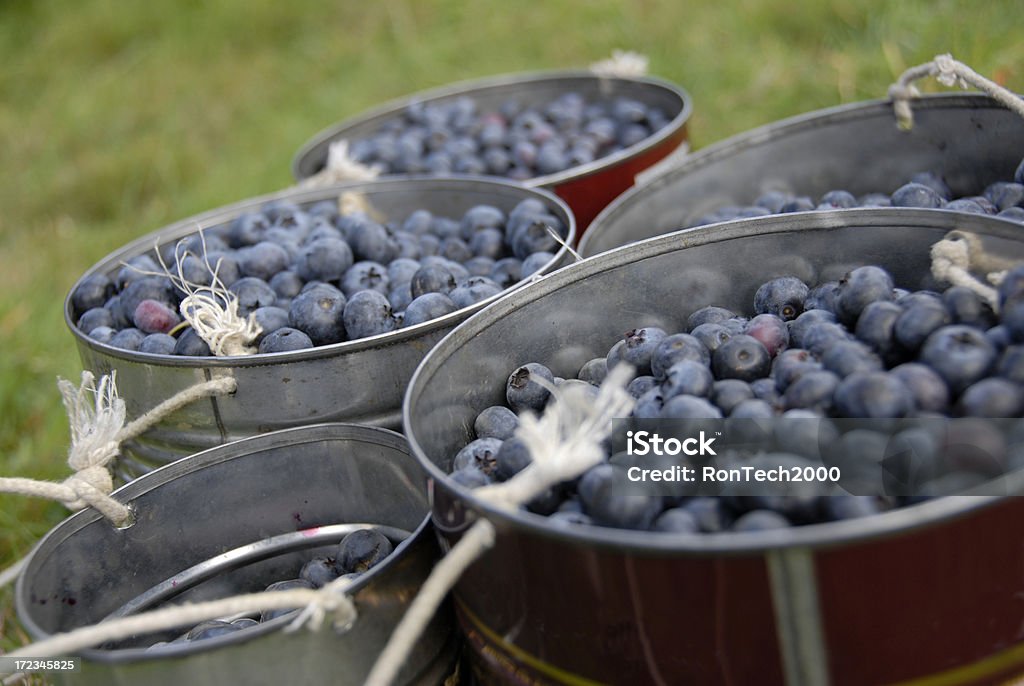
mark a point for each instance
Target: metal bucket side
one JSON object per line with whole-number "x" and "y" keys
{"x": 613, "y": 586}
{"x": 587, "y": 188}
{"x": 194, "y": 509}
{"x": 970, "y": 139}
{"x": 357, "y": 381}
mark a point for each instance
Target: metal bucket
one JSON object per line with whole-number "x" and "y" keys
{"x": 924, "y": 594}
{"x": 970, "y": 139}
{"x": 358, "y": 381}
{"x": 587, "y": 188}
{"x": 290, "y": 482}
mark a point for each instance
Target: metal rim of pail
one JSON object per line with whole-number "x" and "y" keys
{"x": 190, "y": 465}
{"x": 891, "y": 523}
{"x": 395, "y": 106}
{"x": 765, "y": 134}
{"x": 226, "y": 213}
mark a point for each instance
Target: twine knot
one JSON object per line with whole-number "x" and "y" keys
{"x": 622, "y": 63}
{"x": 341, "y": 167}
{"x": 331, "y": 601}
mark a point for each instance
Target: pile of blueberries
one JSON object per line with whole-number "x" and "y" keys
{"x": 517, "y": 141}
{"x": 358, "y": 552}
{"x": 313, "y": 276}
{"x": 1004, "y": 199}
{"x": 858, "y": 349}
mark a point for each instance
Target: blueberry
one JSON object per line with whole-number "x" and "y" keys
{"x": 650, "y": 404}
{"x": 535, "y": 262}
{"x": 91, "y": 292}
{"x": 875, "y": 200}
{"x": 640, "y": 345}
{"x": 999, "y": 337}
{"x": 798, "y": 204}
{"x": 469, "y": 295}
{"x": 849, "y": 357}
{"x": 934, "y": 182}
{"x": 928, "y": 389}
{"x": 1012, "y": 286}
{"x": 594, "y": 371}
{"x": 318, "y": 313}
{"x": 770, "y": 330}
{"x": 278, "y": 211}
{"x": 365, "y": 276}
{"x": 371, "y": 241}
{"x": 455, "y": 249}
{"x": 158, "y": 344}
{"x": 570, "y": 519}
{"x": 481, "y": 266}
{"x": 837, "y": 199}
{"x": 263, "y": 260}
{"x": 711, "y": 335}
{"x": 772, "y": 201}
{"x": 600, "y": 490}
{"x": 872, "y": 395}
{"x": 790, "y": 366}
{"x": 741, "y": 357}
{"x": 362, "y": 550}
{"x": 511, "y": 458}
{"x": 471, "y": 478}
{"x": 522, "y": 391}
{"x": 859, "y": 288}
{"x": 368, "y": 313}
{"x": 428, "y": 306}
{"x": 875, "y": 327}
{"x": 496, "y": 421}
{"x": 708, "y": 315}
{"x": 148, "y": 288}
{"x": 960, "y": 354}
{"x": 686, "y": 407}
{"x": 432, "y": 279}
{"x": 783, "y": 297}
{"x": 127, "y": 339}
{"x": 813, "y": 391}
{"x": 677, "y": 520}
{"x": 325, "y": 259}
{"x": 820, "y": 336}
{"x": 799, "y": 326}
{"x": 486, "y": 243}
{"x": 270, "y": 319}
{"x": 674, "y": 349}
{"x": 152, "y": 316}
{"x": 190, "y": 344}
{"x": 965, "y": 307}
{"x": 1013, "y": 214}
{"x": 964, "y": 205}
{"x": 822, "y": 297}
{"x": 916, "y": 195}
{"x": 728, "y": 393}
{"x": 917, "y": 322}
{"x": 993, "y": 397}
{"x": 288, "y": 585}
{"x": 247, "y": 229}
{"x": 760, "y": 520}
{"x": 1011, "y": 363}
{"x": 687, "y": 377}
{"x": 285, "y": 339}
{"x": 210, "y": 629}
{"x": 640, "y": 385}
{"x": 252, "y": 294}
{"x": 319, "y": 571}
{"x": 755, "y": 408}
{"x": 710, "y": 513}
{"x": 534, "y": 236}
{"x": 286, "y": 284}
{"x": 95, "y": 317}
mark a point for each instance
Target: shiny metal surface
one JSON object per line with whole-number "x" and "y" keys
{"x": 358, "y": 381}
{"x": 530, "y": 89}
{"x": 288, "y": 483}
{"x": 969, "y": 139}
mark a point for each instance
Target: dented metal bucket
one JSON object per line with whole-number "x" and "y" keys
{"x": 971, "y": 140}
{"x": 926, "y": 594}
{"x": 296, "y": 485}
{"x": 358, "y": 381}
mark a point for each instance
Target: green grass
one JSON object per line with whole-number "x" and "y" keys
{"x": 117, "y": 118}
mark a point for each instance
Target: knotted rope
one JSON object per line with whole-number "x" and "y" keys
{"x": 949, "y": 72}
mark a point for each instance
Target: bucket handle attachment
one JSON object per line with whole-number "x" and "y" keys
{"x": 949, "y": 72}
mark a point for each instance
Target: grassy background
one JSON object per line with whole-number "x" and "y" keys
{"x": 117, "y": 118}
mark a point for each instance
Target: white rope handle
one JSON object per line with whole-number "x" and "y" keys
{"x": 949, "y": 72}
{"x": 564, "y": 442}
{"x": 331, "y": 601}
{"x": 341, "y": 167}
{"x": 96, "y": 415}
{"x": 622, "y": 63}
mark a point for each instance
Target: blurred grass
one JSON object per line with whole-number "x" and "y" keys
{"x": 117, "y": 118}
